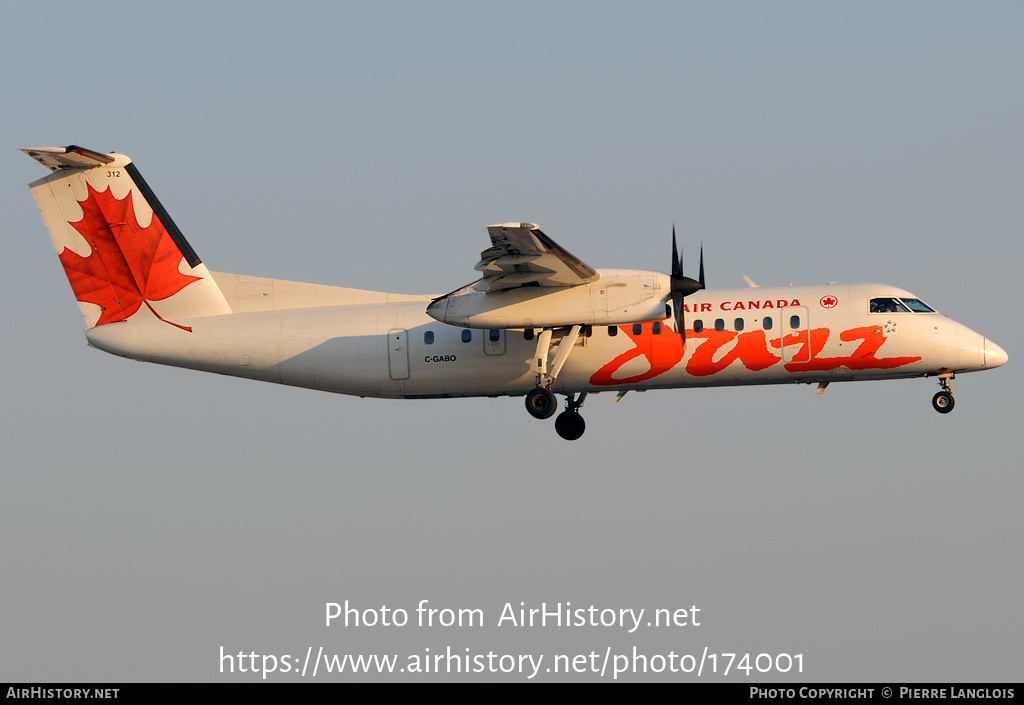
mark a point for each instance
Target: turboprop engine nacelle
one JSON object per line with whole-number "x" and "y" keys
{"x": 616, "y": 297}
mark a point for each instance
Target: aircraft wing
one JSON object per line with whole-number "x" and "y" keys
{"x": 522, "y": 255}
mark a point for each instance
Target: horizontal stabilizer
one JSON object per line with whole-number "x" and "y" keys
{"x": 71, "y": 156}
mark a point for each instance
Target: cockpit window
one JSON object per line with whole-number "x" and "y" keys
{"x": 918, "y": 306}
{"x": 892, "y": 304}
{"x": 887, "y": 304}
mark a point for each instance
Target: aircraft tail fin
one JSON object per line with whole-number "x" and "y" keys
{"x": 122, "y": 253}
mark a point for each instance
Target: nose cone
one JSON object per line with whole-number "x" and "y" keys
{"x": 995, "y": 356}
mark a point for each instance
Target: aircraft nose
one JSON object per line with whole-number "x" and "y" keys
{"x": 995, "y": 356}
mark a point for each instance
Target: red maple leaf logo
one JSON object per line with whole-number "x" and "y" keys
{"x": 129, "y": 265}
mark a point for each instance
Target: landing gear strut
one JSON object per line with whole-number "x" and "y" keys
{"x": 942, "y": 402}
{"x": 540, "y": 401}
{"x": 569, "y": 424}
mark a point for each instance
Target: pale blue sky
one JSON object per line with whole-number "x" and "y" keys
{"x": 151, "y": 515}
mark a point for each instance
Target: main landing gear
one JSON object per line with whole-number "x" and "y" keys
{"x": 942, "y": 402}
{"x": 569, "y": 424}
{"x": 541, "y": 404}
{"x": 540, "y": 401}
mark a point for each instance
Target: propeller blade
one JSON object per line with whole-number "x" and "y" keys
{"x": 701, "y": 265}
{"x": 677, "y": 313}
{"x": 682, "y": 285}
{"x": 677, "y": 263}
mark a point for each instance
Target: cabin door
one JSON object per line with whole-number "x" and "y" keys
{"x": 398, "y": 354}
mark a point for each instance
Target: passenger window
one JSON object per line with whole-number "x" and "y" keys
{"x": 698, "y": 326}
{"x": 794, "y": 322}
{"x": 656, "y": 328}
{"x": 739, "y": 324}
{"x": 494, "y": 334}
{"x": 613, "y": 331}
{"x": 528, "y": 334}
{"x": 428, "y": 337}
{"x": 637, "y": 328}
{"x": 588, "y": 330}
{"x": 767, "y": 323}
{"x": 467, "y": 335}
{"x": 719, "y": 324}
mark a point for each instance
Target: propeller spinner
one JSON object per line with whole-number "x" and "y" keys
{"x": 683, "y": 286}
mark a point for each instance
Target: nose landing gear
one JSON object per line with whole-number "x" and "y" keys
{"x": 942, "y": 402}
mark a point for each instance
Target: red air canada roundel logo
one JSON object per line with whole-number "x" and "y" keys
{"x": 829, "y": 302}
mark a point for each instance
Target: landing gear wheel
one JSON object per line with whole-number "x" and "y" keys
{"x": 570, "y": 425}
{"x": 541, "y": 403}
{"x": 942, "y": 402}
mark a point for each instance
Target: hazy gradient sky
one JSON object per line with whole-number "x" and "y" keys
{"x": 150, "y": 516}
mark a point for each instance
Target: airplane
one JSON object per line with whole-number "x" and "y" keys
{"x": 537, "y": 321}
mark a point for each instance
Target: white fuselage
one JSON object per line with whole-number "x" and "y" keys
{"x": 538, "y": 320}
{"x": 395, "y": 349}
